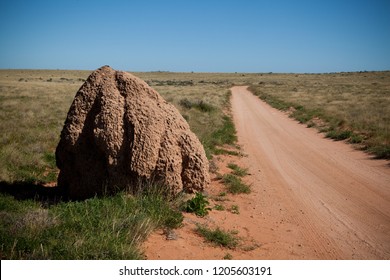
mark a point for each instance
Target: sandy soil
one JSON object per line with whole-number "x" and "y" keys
{"x": 312, "y": 198}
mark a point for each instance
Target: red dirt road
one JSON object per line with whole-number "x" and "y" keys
{"x": 316, "y": 198}
{"x": 312, "y": 198}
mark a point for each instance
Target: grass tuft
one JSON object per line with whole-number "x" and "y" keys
{"x": 199, "y": 105}
{"x": 238, "y": 171}
{"x": 235, "y": 185}
{"x": 218, "y": 236}
{"x": 113, "y": 227}
{"x": 380, "y": 151}
{"x": 225, "y": 135}
{"x": 219, "y": 207}
{"x": 228, "y": 256}
{"x": 235, "y": 209}
{"x": 339, "y": 135}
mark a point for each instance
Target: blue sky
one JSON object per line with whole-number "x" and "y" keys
{"x": 198, "y": 35}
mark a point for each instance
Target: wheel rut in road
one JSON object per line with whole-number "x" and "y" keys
{"x": 330, "y": 199}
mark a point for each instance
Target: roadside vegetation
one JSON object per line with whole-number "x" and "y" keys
{"x": 218, "y": 236}
{"x": 345, "y": 106}
{"x": 198, "y": 205}
{"x": 33, "y": 107}
{"x": 234, "y": 184}
{"x": 233, "y": 180}
{"x": 237, "y": 170}
{"x": 34, "y": 222}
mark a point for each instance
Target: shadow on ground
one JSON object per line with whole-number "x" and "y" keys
{"x": 32, "y": 191}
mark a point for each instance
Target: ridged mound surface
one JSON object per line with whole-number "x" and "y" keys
{"x": 119, "y": 131}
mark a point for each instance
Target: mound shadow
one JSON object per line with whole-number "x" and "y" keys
{"x": 33, "y": 191}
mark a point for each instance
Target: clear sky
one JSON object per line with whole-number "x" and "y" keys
{"x": 197, "y": 35}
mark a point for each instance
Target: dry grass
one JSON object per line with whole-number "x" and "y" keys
{"x": 34, "y": 104}
{"x": 353, "y": 106}
{"x": 202, "y": 99}
{"x": 33, "y": 107}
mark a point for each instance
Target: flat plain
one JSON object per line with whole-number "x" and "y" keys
{"x": 352, "y": 107}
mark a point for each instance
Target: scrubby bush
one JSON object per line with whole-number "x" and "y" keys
{"x": 198, "y": 205}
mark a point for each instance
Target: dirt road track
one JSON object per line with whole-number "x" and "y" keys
{"x": 312, "y": 198}
{"x": 321, "y": 195}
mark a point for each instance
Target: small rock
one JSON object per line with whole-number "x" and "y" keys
{"x": 170, "y": 234}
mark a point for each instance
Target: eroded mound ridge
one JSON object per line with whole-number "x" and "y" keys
{"x": 119, "y": 131}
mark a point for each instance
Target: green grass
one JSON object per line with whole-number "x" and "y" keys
{"x": 204, "y": 106}
{"x": 228, "y": 256}
{"x": 219, "y": 207}
{"x": 346, "y": 106}
{"x": 97, "y": 228}
{"x": 198, "y": 205}
{"x": 235, "y": 185}
{"x": 33, "y": 107}
{"x": 339, "y": 135}
{"x": 224, "y": 135}
{"x": 238, "y": 171}
{"x": 305, "y": 115}
{"x": 235, "y": 209}
{"x": 220, "y": 197}
{"x": 380, "y": 151}
{"x": 38, "y": 101}
{"x": 199, "y": 104}
{"x": 218, "y": 236}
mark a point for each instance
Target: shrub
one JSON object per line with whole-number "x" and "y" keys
{"x": 199, "y": 105}
{"x": 185, "y": 103}
{"x": 198, "y": 205}
{"x": 204, "y": 106}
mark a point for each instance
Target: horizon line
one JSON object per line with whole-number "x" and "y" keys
{"x": 194, "y": 72}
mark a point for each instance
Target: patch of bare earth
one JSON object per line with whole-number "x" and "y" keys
{"x": 187, "y": 244}
{"x": 312, "y": 198}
